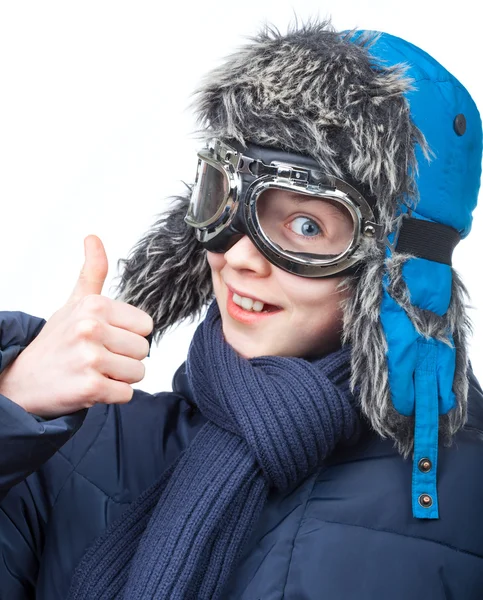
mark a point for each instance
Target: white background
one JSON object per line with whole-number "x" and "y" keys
{"x": 95, "y": 132}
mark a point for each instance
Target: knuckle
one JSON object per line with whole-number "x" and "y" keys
{"x": 94, "y": 304}
{"x": 93, "y": 358}
{"x": 88, "y": 329}
{"x": 90, "y": 390}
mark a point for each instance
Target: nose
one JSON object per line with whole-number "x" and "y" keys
{"x": 244, "y": 256}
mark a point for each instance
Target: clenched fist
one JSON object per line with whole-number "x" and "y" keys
{"x": 89, "y": 351}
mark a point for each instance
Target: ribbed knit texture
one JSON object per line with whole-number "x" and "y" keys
{"x": 271, "y": 422}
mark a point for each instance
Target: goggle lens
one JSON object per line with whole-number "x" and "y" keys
{"x": 304, "y": 225}
{"x": 210, "y": 193}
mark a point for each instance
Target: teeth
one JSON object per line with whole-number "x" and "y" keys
{"x": 237, "y": 299}
{"x": 248, "y": 303}
{"x": 258, "y": 306}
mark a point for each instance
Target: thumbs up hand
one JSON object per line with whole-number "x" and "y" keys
{"x": 88, "y": 352}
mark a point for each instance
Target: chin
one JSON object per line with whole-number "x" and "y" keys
{"x": 249, "y": 345}
{"x": 246, "y": 345}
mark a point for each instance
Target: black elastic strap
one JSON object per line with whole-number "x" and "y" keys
{"x": 426, "y": 239}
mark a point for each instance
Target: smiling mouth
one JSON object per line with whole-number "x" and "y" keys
{"x": 249, "y": 316}
{"x": 251, "y": 305}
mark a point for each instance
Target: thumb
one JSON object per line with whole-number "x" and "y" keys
{"x": 94, "y": 270}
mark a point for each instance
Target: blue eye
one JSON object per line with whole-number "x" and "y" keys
{"x": 305, "y": 226}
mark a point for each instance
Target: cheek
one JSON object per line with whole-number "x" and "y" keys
{"x": 216, "y": 261}
{"x": 317, "y": 304}
{"x": 321, "y": 316}
{"x": 313, "y": 294}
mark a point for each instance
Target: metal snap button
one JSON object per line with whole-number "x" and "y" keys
{"x": 425, "y": 465}
{"x": 459, "y": 124}
{"x": 369, "y": 230}
{"x": 425, "y": 500}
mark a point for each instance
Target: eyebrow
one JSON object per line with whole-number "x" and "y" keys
{"x": 299, "y": 197}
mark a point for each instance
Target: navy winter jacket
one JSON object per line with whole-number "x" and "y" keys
{"x": 346, "y": 533}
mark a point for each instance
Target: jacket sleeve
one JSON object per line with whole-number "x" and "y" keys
{"x": 26, "y": 440}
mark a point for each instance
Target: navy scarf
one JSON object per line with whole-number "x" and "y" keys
{"x": 271, "y": 422}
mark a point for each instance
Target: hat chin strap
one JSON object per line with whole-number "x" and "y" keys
{"x": 427, "y": 239}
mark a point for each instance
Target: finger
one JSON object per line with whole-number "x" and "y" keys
{"x": 115, "y": 392}
{"x": 121, "y": 368}
{"x": 94, "y": 271}
{"x": 126, "y": 316}
{"x": 126, "y": 343}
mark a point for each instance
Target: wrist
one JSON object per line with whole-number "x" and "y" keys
{"x": 9, "y": 388}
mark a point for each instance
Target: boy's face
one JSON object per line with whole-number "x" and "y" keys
{"x": 305, "y": 315}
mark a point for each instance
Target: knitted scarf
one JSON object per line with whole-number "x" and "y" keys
{"x": 271, "y": 422}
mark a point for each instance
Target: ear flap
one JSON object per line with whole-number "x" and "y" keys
{"x": 421, "y": 361}
{"x": 407, "y": 324}
{"x": 166, "y": 273}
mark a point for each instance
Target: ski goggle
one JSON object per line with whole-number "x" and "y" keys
{"x": 299, "y": 218}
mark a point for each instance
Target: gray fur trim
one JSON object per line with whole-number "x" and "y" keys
{"x": 167, "y": 274}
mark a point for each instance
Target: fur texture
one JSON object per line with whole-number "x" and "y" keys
{"x": 315, "y": 92}
{"x": 167, "y": 274}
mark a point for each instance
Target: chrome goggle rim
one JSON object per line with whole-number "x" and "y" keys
{"x": 350, "y": 198}
{"x": 210, "y": 228}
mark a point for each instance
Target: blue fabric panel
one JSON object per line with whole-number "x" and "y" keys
{"x": 402, "y": 353}
{"x": 445, "y": 371}
{"x": 402, "y": 360}
{"x": 429, "y": 284}
{"x": 449, "y": 183}
{"x": 426, "y": 429}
